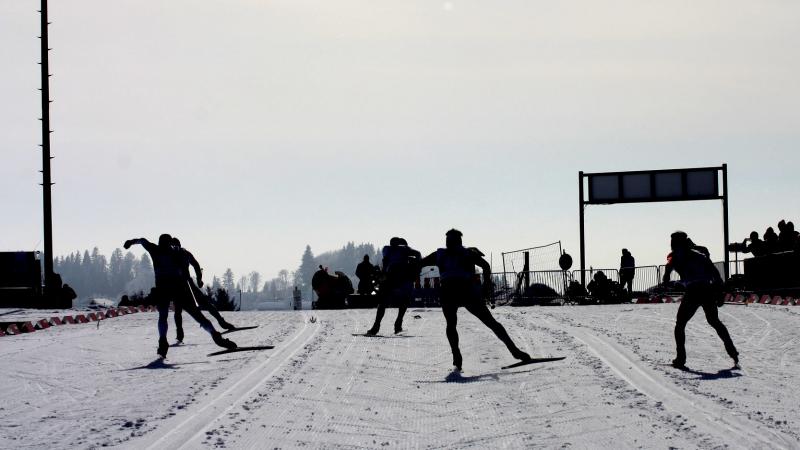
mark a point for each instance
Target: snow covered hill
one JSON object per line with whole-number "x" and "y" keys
{"x": 84, "y": 386}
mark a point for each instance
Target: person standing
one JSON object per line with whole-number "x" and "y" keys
{"x": 400, "y": 269}
{"x": 365, "y": 272}
{"x": 297, "y": 299}
{"x": 627, "y": 269}
{"x": 703, "y": 290}
{"x": 457, "y": 271}
{"x": 171, "y": 286}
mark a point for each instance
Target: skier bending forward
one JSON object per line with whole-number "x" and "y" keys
{"x": 457, "y": 271}
{"x": 703, "y": 290}
{"x": 171, "y": 285}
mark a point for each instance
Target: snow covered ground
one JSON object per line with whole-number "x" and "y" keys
{"x": 87, "y": 386}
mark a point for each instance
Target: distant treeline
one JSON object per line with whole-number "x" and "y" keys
{"x": 94, "y": 275}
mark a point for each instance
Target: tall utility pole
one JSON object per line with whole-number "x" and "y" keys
{"x": 46, "y": 179}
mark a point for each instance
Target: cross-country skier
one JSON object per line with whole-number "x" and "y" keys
{"x": 400, "y": 269}
{"x": 171, "y": 285}
{"x": 703, "y": 289}
{"x": 457, "y": 271}
{"x": 187, "y": 260}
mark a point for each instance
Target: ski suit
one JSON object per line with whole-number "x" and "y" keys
{"x": 457, "y": 272}
{"x": 703, "y": 290}
{"x": 400, "y": 268}
{"x": 171, "y": 286}
{"x": 200, "y": 299}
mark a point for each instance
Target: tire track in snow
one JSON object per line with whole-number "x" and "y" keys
{"x": 703, "y": 413}
{"x": 186, "y": 432}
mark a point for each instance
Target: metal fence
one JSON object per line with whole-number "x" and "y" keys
{"x": 530, "y": 287}
{"x": 545, "y": 286}
{"x": 540, "y": 286}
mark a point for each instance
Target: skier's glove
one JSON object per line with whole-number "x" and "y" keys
{"x": 199, "y": 282}
{"x": 127, "y": 244}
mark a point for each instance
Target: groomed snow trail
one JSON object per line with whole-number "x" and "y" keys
{"x": 178, "y": 431}
{"x": 321, "y": 387}
{"x": 713, "y": 419}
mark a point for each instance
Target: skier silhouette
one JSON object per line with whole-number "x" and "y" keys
{"x": 457, "y": 271}
{"x": 203, "y": 302}
{"x": 703, "y": 289}
{"x": 400, "y": 269}
{"x": 171, "y": 285}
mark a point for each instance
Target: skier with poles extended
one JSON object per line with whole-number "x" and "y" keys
{"x": 201, "y": 299}
{"x": 457, "y": 271}
{"x": 170, "y": 285}
{"x": 400, "y": 269}
{"x": 703, "y": 289}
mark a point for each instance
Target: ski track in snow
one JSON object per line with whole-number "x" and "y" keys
{"x": 216, "y": 406}
{"x": 83, "y": 387}
{"x": 705, "y": 414}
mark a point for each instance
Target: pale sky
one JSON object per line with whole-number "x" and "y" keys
{"x": 252, "y": 128}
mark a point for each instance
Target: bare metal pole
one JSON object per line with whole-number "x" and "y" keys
{"x": 46, "y": 178}
{"x": 582, "y": 237}
{"x": 726, "y": 237}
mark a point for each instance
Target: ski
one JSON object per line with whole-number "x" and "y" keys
{"x": 533, "y": 361}
{"x": 239, "y": 329}
{"x": 383, "y": 336}
{"x": 242, "y": 349}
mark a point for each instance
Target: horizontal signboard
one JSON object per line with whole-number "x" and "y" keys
{"x": 654, "y": 186}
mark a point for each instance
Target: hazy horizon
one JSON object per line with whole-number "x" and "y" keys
{"x": 250, "y": 129}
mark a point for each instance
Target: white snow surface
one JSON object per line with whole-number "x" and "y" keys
{"x": 89, "y": 386}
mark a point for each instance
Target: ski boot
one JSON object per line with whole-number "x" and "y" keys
{"x": 372, "y": 331}
{"x": 163, "y": 346}
{"x": 398, "y": 328}
{"x": 179, "y": 336}
{"x": 224, "y": 324}
{"x": 222, "y": 342}
{"x": 736, "y": 361}
{"x": 457, "y": 360}
{"x": 520, "y": 355}
{"x": 679, "y": 363}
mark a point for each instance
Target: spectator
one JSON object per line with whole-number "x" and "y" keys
{"x": 365, "y": 272}
{"x": 756, "y": 246}
{"x": 771, "y": 243}
{"x": 787, "y": 237}
{"x": 600, "y": 287}
{"x": 627, "y": 269}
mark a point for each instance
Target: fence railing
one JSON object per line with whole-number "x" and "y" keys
{"x": 535, "y": 286}
{"x": 529, "y": 287}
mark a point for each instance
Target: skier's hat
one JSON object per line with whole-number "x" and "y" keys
{"x": 165, "y": 240}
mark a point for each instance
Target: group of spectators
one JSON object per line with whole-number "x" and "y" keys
{"x": 785, "y": 240}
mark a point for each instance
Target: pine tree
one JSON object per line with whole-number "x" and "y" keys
{"x": 224, "y": 302}
{"x": 227, "y": 281}
{"x": 307, "y": 268}
{"x": 117, "y": 278}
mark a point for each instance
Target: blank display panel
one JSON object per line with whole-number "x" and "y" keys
{"x": 668, "y": 185}
{"x": 636, "y": 186}
{"x": 604, "y": 187}
{"x": 702, "y": 183}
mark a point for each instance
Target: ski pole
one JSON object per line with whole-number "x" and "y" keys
{"x": 189, "y": 284}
